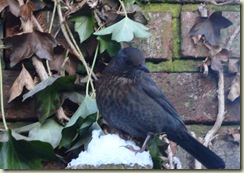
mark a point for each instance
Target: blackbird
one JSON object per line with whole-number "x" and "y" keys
{"x": 130, "y": 101}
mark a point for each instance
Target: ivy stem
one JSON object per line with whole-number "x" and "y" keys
{"x": 123, "y": 6}
{"x": 1, "y": 98}
{"x": 49, "y": 31}
{"x": 52, "y": 18}
{"x": 67, "y": 37}
{"x": 91, "y": 70}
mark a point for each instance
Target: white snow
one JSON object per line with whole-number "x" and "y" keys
{"x": 109, "y": 149}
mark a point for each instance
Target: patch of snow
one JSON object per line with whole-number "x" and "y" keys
{"x": 109, "y": 149}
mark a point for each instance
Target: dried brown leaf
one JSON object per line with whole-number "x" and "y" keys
{"x": 26, "y": 10}
{"x": 217, "y": 55}
{"x": 25, "y": 45}
{"x": 59, "y": 63}
{"x": 196, "y": 38}
{"x": 3, "y": 4}
{"x": 235, "y": 134}
{"x": 23, "y": 80}
{"x": 235, "y": 88}
{"x": 210, "y": 27}
{"x": 14, "y": 7}
{"x": 234, "y": 65}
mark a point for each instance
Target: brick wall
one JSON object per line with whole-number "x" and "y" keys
{"x": 175, "y": 65}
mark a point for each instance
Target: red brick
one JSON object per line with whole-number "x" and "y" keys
{"x": 187, "y": 47}
{"x": 159, "y": 44}
{"x": 15, "y": 110}
{"x": 195, "y": 97}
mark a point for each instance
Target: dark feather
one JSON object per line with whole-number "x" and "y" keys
{"x": 130, "y": 101}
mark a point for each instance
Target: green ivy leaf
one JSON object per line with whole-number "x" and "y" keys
{"x": 49, "y": 94}
{"x": 84, "y": 25}
{"x": 154, "y": 144}
{"x": 48, "y": 101}
{"x": 129, "y": 1}
{"x": 49, "y": 132}
{"x": 21, "y": 154}
{"x": 125, "y": 30}
{"x": 80, "y": 121}
{"x": 107, "y": 44}
{"x": 87, "y": 107}
{"x": 82, "y": 125}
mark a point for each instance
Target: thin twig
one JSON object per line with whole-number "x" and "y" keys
{"x": 221, "y": 99}
{"x": 66, "y": 35}
{"x": 169, "y": 152}
{"x": 52, "y": 18}
{"x": 40, "y": 69}
{"x": 37, "y": 24}
{"x": 233, "y": 36}
{"x": 1, "y": 98}
{"x": 221, "y": 110}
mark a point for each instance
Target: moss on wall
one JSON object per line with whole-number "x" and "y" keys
{"x": 174, "y": 9}
{"x": 175, "y": 66}
{"x": 211, "y": 7}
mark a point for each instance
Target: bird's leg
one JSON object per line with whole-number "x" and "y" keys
{"x": 142, "y": 149}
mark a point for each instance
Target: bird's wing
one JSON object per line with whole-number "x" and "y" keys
{"x": 151, "y": 89}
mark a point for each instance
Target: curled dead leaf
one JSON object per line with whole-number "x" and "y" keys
{"x": 60, "y": 63}
{"x": 23, "y": 80}
{"x": 235, "y": 134}
{"x": 14, "y": 7}
{"x": 217, "y": 60}
{"x": 217, "y": 56}
{"x": 25, "y": 45}
{"x": 209, "y": 27}
{"x": 26, "y": 10}
{"x": 3, "y": 4}
{"x": 235, "y": 88}
{"x": 234, "y": 65}
{"x": 196, "y": 38}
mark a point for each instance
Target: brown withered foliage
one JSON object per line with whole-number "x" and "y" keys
{"x": 25, "y": 45}
{"x": 23, "y": 80}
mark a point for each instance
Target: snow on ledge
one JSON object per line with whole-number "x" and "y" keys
{"x": 109, "y": 149}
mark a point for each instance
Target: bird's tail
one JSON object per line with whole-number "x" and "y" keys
{"x": 204, "y": 155}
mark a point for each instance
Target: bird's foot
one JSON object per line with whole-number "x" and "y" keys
{"x": 143, "y": 148}
{"x": 131, "y": 148}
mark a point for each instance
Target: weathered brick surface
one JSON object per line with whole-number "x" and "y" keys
{"x": 225, "y": 147}
{"x": 15, "y": 110}
{"x": 187, "y": 1}
{"x": 188, "y": 20}
{"x": 195, "y": 98}
{"x": 159, "y": 44}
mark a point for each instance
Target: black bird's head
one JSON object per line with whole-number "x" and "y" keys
{"x": 128, "y": 61}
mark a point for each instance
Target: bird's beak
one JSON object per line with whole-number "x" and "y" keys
{"x": 144, "y": 68}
